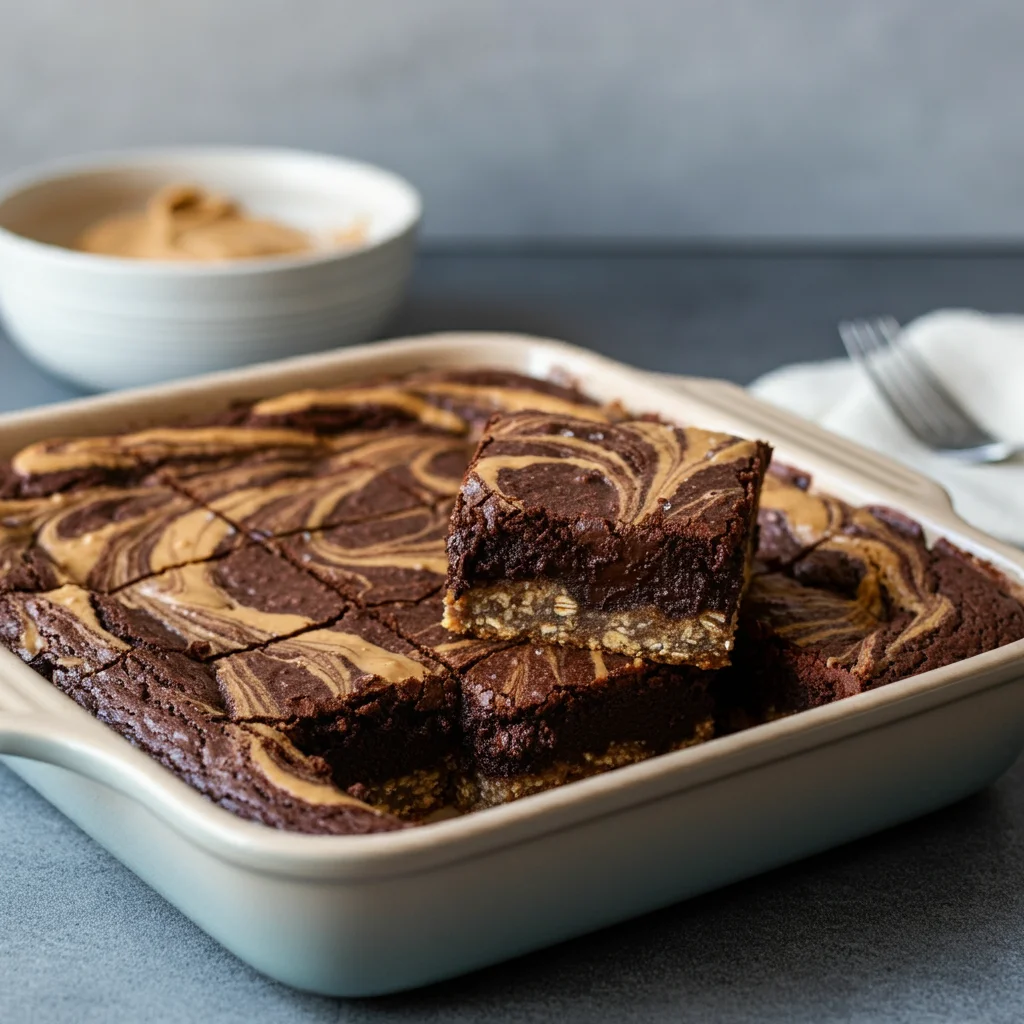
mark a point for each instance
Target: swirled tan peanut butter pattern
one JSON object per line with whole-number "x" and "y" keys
{"x": 398, "y": 557}
{"x": 898, "y": 566}
{"x": 403, "y": 401}
{"x": 189, "y": 602}
{"x": 130, "y": 533}
{"x": 150, "y": 447}
{"x": 896, "y": 601}
{"x": 285, "y": 767}
{"x": 20, "y": 520}
{"x": 431, "y": 463}
{"x": 61, "y": 625}
{"x": 811, "y": 617}
{"x": 648, "y": 464}
{"x": 304, "y": 502}
{"x": 511, "y": 399}
{"x": 77, "y": 602}
{"x": 29, "y": 642}
{"x": 809, "y": 515}
{"x": 332, "y": 664}
{"x": 529, "y": 673}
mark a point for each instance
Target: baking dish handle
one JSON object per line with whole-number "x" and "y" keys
{"x": 64, "y": 745}
{"x": 799, "y": 430}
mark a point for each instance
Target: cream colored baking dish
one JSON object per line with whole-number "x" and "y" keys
{"x": 357, "y": 915}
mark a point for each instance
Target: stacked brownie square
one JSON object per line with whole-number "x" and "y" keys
{"x": 352, "y": 609}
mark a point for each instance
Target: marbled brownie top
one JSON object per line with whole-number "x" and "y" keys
{"x": 624, "y": 514}
{"x": 256, "y": 601}
{"x": 860, "y": 590}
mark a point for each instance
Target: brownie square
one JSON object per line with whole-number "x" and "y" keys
{"x": 58, "y": 630}
{"x": 380, "y": 713}
{"x": 108, "y": 537}
{"x": 539, "y": 716}
{"x": 633, "y": 537}
{"x": 205, "y": 609}
{"x": 865, "y": 605}
{"x": 169, "y": 706}
{"x": 398, "y": 557}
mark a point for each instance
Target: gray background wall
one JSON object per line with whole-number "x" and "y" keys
{"x": 526, "y": 119}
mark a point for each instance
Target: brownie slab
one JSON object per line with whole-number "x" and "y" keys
{"x": 259, "y": 602}
{"x": 633, "y": 537}
{"x": 381, "y": 714}
{"x": 539, "y": 716}
{"x": 169, "y": 706}
{"x": 866, "y": 605}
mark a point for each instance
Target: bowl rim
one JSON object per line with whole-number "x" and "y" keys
{"x": 125, "y": 159}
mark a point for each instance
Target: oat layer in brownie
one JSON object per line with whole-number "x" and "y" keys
{"x": 632, "y": 537}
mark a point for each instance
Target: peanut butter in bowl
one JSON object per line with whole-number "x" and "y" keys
{"x": 185, "y": 222}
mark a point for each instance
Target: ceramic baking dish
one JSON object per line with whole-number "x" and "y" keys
{"x": 358, "y": 915}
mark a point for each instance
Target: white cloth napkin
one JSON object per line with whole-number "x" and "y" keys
{"x": 980, "y": 358}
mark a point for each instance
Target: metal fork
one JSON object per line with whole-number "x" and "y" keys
{"x": 916, "y": 396}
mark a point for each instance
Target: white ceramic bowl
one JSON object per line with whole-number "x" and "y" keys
{"x": 106, "y": 322}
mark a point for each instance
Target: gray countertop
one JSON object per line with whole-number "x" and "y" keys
{"x": 923, "y": 922}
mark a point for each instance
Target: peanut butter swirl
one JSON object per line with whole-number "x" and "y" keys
{"x": 109, "y": 537}
{"x": 404, "y": 402}
{"x": 59, "y": 627}
{"x": 627, "y": 472}
{"x": 794, "y": 519}
{"x": 281, "y": 497}
{"x": 509, "y": 398}
{"x": 315, "y": 671}
{"x": 150, "y": 448}
{"x": 896, "y": 601}
{"x": 248, "y": 598}
{"x": 20, "y": 521}
{"x": 399, "y": 557}
{"x": 431, "y": 465}
{"x": 289, "y": 770}
{"x": 527, "y": 673}
{"x": 896, "y": 571}
{"x": 439, "y": 402}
